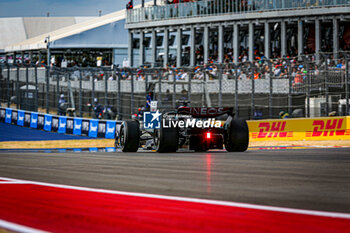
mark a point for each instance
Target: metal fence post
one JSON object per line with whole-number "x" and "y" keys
{"x": 36, "y": 87}
{"x": 106, "y": 90}
{"x": 47, "y": 89}
{"x": 112, "y": 91}
{"x": 132, "y": 95}
{"x": 58, "y": 86}
{"x": 326, "y": 91}
{"x": 80, "y": 95}
{"x": 159, "y": 90}
{"x": 220, "y": 88}
{"x": 27, "y": 88}
{"x": 290, "y": 89}
{"x": 92, "y": 93}
{"x": 252, "y": 94}
{"x": 270, "y": 92}
{"x": 189, "y": 87}
{"x": 174, "y": 90}
{"x": 308, "y": 90}
{"x": 8, "y": 86}
{"x": 236, "y": 93}
{"x": 325, "y": 80}
{"x": 119, "y": 96}
{"x": 17, "y": 88}
{"x": 146, "y": 84}
{"x": 203, "y": 89}
{"x": 93, "y": 88}
{"x": 71, "y": 94}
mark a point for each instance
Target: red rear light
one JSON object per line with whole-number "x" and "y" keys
{"x": 208, "y": 135}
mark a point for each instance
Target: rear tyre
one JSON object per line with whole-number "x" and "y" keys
{"x": 130, "y": 136}
{"x": 166, "y": 140}
{"x": 237, "y": 138}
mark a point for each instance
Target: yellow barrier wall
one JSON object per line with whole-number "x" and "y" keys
{"x": 311, "y": 129}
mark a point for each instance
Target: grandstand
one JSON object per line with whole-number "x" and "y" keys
{"x": 236, "y": 30}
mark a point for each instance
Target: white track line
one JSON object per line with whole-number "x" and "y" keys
{"x": 18, "y": 228}
{"x": 194, "y": 200}
{"x": 13, "y": 182}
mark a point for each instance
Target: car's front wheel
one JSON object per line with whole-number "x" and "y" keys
{"x": 129, "y": 136}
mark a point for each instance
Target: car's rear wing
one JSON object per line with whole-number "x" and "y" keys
{"x": 205, "y": 112}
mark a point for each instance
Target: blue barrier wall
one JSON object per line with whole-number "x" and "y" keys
{"x": 61, "y": 124}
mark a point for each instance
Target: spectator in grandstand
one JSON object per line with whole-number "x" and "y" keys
{"x": 277, "y": 71}
{"x": 140, "y": 76}
{"x": 298, "y": 79}
{"x": 242, "y": 75}
{"x": 343, "y": 66}
{"x": 284, "y": 70}
{"x": 129, "y": 6}
{"x": 198, "y": 74}
{"x": 166, "y": 74}
{"x": 100, "y": 77}
{"x": 316, "y": 71}
{"x": 178, "y": 74}
{"x": 227, "y": 70}
{"x": 339, "y": 64}
{"x": 154, "y": 75}
{"x": 124, "y": 74}
{"x": 214, "y": 72}
{"x": 184, "y": 75}
{"x": 172, "y": 1}
{"x": 256, "y": 74}
{"x": 244, "y": 56}
{"x": 266, "y": 69}
{"x": 294, "y": 72}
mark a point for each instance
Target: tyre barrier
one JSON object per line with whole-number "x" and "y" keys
{"x": 94, "y": 128}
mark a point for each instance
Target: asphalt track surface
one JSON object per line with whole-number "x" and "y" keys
{"x": 313, "y": 179}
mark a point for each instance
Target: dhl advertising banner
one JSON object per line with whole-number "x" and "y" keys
{"x": 310, "y": 129}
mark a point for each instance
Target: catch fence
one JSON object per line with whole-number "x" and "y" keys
{"x": 256, "y": 90}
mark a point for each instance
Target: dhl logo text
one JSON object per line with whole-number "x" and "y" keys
{"x": 273, "y": 129}
{"x": 328, "y": 128}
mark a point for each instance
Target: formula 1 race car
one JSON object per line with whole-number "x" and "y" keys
{"x": 200, "y": 129}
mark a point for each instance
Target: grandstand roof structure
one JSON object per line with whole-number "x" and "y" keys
{"x": 99, "y": 32}
{"x": 17, "y": 29}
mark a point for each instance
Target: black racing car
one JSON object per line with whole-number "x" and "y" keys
{"x": 201, "y": 129}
